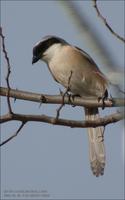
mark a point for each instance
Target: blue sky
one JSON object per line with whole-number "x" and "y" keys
{"x": 43, "y": 157}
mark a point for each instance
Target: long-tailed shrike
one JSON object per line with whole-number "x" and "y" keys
{"x": 86, "y": 81}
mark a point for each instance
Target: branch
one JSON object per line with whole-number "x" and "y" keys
{"x": 106, "y": 23}
{"x": 8, "y": 70}
{"x": 14, "y": 135}
{"x": 8, "y": 87}
{"x": 115, "y": 117}
{"x": 57, "y": 99}
{"x": 56, "y": 121}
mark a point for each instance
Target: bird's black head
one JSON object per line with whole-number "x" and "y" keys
{"x": 43, "y": 45}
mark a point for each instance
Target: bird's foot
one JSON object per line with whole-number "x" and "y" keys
{"x": 103, "y": 98}
{"x": 72, "y": 97}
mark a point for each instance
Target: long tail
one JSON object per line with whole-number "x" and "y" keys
{"x": 96, "y": 143}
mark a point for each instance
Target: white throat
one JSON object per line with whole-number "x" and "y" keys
{"x": 51, "y": 52}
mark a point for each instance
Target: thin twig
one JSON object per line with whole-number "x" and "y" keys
{"x": 106, "y": 23}
{"x": 63, "y": 96}
{"x": 14, "y": 135}
{"x": 8, "y": 70}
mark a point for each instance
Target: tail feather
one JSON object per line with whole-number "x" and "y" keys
{"x": 96, "y": 143}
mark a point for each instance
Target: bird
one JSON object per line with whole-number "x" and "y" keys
{"x": 66, "y": 61}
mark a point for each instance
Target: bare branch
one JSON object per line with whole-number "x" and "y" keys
{"x": 106, "y": 23}
{"x": 57, "y": 99}
{"x": 115, "y": 117}
{"x": 8, "y": 70}
{"x": 56, "y": 121}
{"x": 14, "y": 135}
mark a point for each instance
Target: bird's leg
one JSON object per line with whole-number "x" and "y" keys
{"x": 103, "y": 98}
{"x": 72, "y": 97}
{"x": 63, "y": 94}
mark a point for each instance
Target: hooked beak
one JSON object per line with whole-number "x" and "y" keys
{"x": 35, "y": 59}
